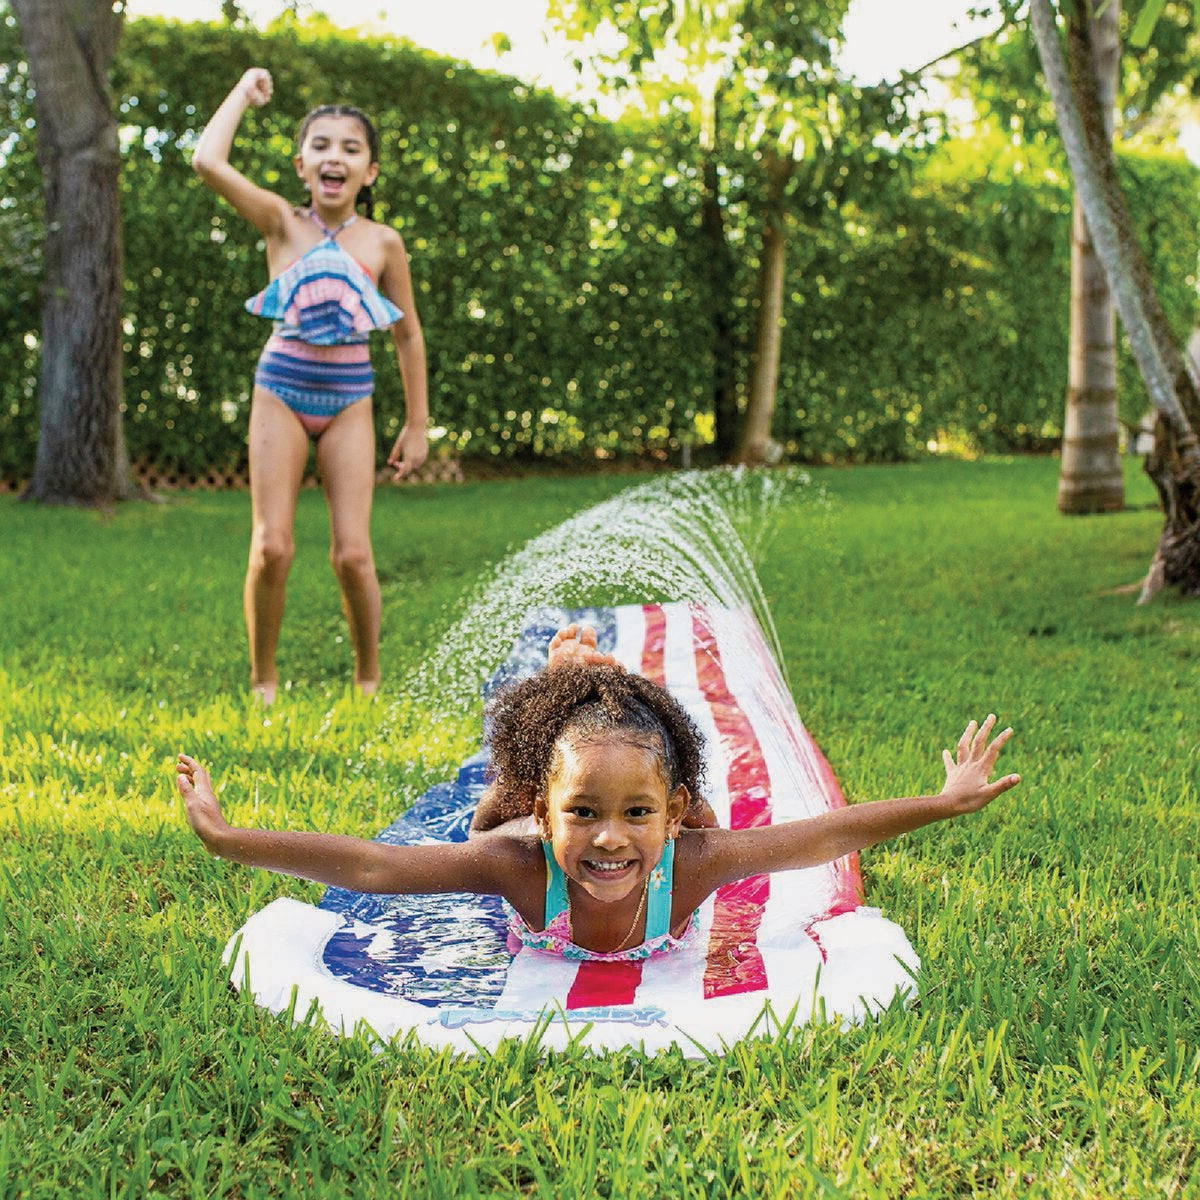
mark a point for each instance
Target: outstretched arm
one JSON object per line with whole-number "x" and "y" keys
{"x": 262, "y": 208}
{"x": 487, "y": 866}
{"x": 734, "y": 854}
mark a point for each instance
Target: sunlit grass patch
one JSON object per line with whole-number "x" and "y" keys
{"x": 1053, "y": 1048}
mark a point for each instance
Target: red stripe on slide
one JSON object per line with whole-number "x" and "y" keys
{"x": 604, "y": 983}
{"x": 735, "y": 964}
{"x": 654, "y": 644}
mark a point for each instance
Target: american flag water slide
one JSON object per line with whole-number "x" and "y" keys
{"x": 770, "y": 951}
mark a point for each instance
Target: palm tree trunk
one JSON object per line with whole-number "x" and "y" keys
{"x": 1169, "y": 375}
{"x": 1090, "y": 478}
{"x": 81, "y": 456}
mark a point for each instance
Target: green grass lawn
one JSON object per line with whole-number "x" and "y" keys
{"x": 1055, "y": 1048}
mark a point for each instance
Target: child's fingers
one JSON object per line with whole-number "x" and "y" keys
{"x": 979, "y": 741}
{"x": 1002, "y": 785}
{"x": 964, "y": 742}
{"x": 993, "y": 751}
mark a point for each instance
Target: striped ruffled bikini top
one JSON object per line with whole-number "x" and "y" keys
{"x": 326, "y": 297}
{"x": 555, "y": 938}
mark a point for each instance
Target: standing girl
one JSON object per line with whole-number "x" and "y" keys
{"x": 334, "y": 277}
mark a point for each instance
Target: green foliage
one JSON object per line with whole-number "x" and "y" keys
{"x": 543, "y": 248}
{"x": 1003, "y": 76}
{"x": 1052, "y": 1053}
{"x": 555, "y": 296}
{"x": 561, "y": 271}
{"x": 20, "y": 251}
{"x": 935, "y": 312}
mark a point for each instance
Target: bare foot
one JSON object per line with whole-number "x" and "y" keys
{"x": 264, "y": 693}
{"x": 366, "y": 687}
{"x": 576, "y": 644}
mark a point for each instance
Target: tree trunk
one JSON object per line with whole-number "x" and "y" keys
{"x": 1168, "y": 374}
{"x": 1090, "y": 478}
{"x": 755, "y": 440}
{"x": 81, "y": 455}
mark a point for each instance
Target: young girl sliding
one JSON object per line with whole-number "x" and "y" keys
{"x": 334, "y": 277}
{"x": 608, "y": 762}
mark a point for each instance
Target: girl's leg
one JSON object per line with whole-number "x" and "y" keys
{"x": 346, "y": 455}
{"x": 278, "y": 452}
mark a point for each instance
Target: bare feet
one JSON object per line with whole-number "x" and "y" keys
{"x": 576, "y": 644}
{"x": 264, "y": 693}
{"x": 366, "y": 687}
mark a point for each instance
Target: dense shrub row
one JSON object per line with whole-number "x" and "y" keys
{"x": 557, "y": 270}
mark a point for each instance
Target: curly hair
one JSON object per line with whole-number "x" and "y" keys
{"x": 527, "y": 721}
{"x": 365, "y": 197}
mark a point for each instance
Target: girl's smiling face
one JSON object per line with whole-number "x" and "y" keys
{"x": 607, "y": 815}
{"x": 335, "y": 160}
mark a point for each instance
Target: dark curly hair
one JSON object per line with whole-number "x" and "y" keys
{"x": 365, "y": 196}
{"x": 526, "y": 721}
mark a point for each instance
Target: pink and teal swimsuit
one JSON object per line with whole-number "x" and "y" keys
{"x": 555, "y": 938}
{"x": 325, "y": 304}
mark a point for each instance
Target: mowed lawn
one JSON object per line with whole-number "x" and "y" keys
{"x": 1055, "y": 1048}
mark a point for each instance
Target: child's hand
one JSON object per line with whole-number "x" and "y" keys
{"x": 967, "y": 774}
{"x": 200, "y": 802}
{"x": 576, "y": 644}
{"x": 409, "y": 452}
{"x": 256, "y": 86}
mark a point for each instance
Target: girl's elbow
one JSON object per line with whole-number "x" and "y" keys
{"x": 366, "y": 882}
{"x": 374, "y": 879}
{"x": 407, "y": 334}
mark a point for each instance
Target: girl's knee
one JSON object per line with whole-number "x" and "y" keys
{"x": 352, "y": 562}
{"x": 272, "y": 554}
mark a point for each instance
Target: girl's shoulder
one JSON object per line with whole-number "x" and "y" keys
{"x": 381, "y": 248}
{"x": 695, "y": 845}
{"x": 704, "y": 859}
{"x": 381, "y": 233}
{"x": 509, "y": 850}
{"x": 518, "y": 864}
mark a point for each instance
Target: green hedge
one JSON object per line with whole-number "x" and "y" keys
{"x": 940, "y": 315}
{"x": 555, "y": 259}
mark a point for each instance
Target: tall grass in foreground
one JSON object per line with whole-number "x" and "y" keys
{"x": 1053, "y": 1051}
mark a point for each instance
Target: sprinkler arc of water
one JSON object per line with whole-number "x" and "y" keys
{"x": 690, "y": 536}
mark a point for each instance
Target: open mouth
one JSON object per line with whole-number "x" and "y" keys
{"x": 331, "y": 180}
{"x": 609, "y": 866}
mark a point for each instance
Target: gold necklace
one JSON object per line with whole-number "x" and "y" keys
{"x": 637, "y": 916}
